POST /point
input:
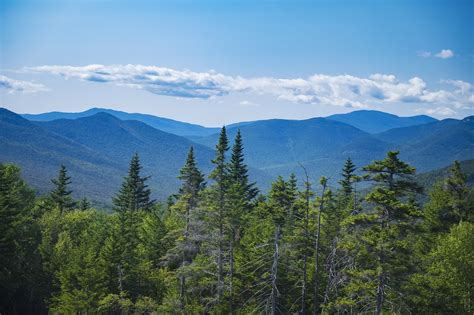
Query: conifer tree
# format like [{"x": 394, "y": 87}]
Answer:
[
  {"x": 241, "y": 193},
  {"x": 84, "y": 204},
  {"x": 19, "y": 268},
  {"x": 238, "y": 171},
  {"x": 456, "y": 186},
  {"x": 383, "y": 265},
  {"x": 220, "y": 176},
  {"x": 61, "y": 195},
  {"x": 448, "y": 202},
  {"x": 317, "y": 281},
  {"x": 192, "y": 184},
  {"x": 134, "y": 194},
  {"x": 133, "y": 197},
  {"x": 347, "y": 177}
]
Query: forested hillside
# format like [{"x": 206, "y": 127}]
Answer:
[
  {"x": 165, "y": 124},
  {"x": 311, "y": 245},
  {"x": 373, "y": 121},
  {"x": 95, "y": 146}
]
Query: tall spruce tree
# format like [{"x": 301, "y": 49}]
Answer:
[
  {"x": 134, "y": 194},
  {"x": 347, "y": 177},
  {"x": 192, "y": 184},
  {"x": 383, "y": 266},
  {"x": 220, "y": 175},
  {"x": 241, "y": 193},
  {"x": 61, "y": 195},
  {"x": 133, "y": 197}
]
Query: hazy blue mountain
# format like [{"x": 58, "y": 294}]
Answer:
[
  {"x": 40, "y": 153},
  {"x": 321, "y": 145},
  {"x": 373, "y": 121},
  {"x": 164, "y": 124},
  {"x": 96, "y": 150},
  {"x": 98, "y": 147},
  {"x": 429, "y": 178},
  {"x": 278, "y": 146},
  {"x": 434, "y": 145}
]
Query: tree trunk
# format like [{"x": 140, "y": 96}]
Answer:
[
  {"x": 316, "y": 254},
  {"x": 231, "y": 276},
  {"x": 380, "y": 294},
  {"x": 305, "y": 255},
  {"x": 220, "y": 260},
  {"x": 274, "y": 272}
]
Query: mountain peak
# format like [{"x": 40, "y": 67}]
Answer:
[{"x": 374, "y": 121}]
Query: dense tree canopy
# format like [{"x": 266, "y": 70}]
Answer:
[{"x": 225, "y": 248}]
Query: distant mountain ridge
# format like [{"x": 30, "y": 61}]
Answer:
[
  {"x": 370, "y": 121},
  {"x": 165, "y": 124},
  {"x": 373, "y": 121},
  {"x": 97, "y": 148}
]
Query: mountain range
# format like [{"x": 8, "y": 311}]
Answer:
[
  {"x": 96, "y": 146},
  {"x": 165, "y": 124}
]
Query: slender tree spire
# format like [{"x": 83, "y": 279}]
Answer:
[
  {"x": 220, "y": 175},
  {"x": 61, "y": 195},
  {"x": 238, "y": 170},
  {"x": 192, "y": 184},
  {"x": 134, "y": 193},
  {"x": 347, "y": 177}
]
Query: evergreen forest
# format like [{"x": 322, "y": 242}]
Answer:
[{"x": 365, "y": 244}]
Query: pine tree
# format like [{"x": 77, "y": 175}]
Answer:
[
  {"x": 134, "y": 194},
  {"x": 347, "y": 177},
  {"x": 84, "y": 204},
  {"x": 192, "y": 184},
  {"x": 220, "y": 176},
  {"x": 241, "y": 193},
  {"x": 20, "y": 266},
  {"x": 238, "y": 170},
  {"x": 317, "y": 281},
  {"x": 61, "y": 195},
  {"x": 133, "y": 198},
  {"x": 383, "y": 259}
]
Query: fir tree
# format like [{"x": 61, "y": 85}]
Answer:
[
  {"x": 383, "y": 233},
  {"x": 347, "y": 177},
  {"x": 220, "y": 176},
  {"x": 134, "y": 194},
  {"x": 61, "y": 195},
  {"x": 192, "y": 184},
  {"x": 238, "y": 170},
  {"x": 241, "y": 193},
  {"x": 133, "y": 197},
  {"x": 84, "y": 204}
]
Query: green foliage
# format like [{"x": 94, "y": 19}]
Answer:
[
  {"x": 61, "y": 195},
  {"x": 134, "y": 194},
  {"x": 223, "y": 249},
  {"x": 20, "y": 289}
]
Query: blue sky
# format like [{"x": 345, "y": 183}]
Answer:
[{"x": 216, "y": 62}]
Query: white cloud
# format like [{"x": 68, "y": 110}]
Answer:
[
  {"x": 445, "y": 54},
  {"x": 12, "y": 85},
  {"x": 338, "y": 90}
]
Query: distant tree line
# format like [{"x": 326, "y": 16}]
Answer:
[{"x": 222, "y": 247}]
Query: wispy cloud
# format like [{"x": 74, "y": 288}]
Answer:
[
  {"x": 12, "y": 85},
  {"x": 445, "y": 54},
  {"x": 339, "y": 90}
]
